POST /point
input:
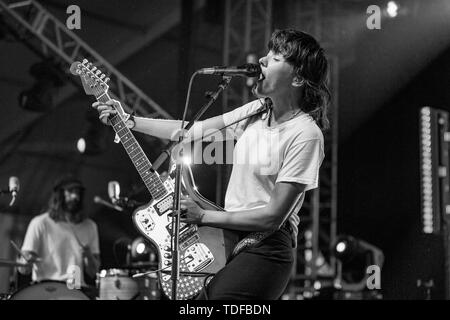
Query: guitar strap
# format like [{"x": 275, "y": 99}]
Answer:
[{"x": 266, "y": 107}]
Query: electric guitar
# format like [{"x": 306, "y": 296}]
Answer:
[{"x": 203, "y": 250}]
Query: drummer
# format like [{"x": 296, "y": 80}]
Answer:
[{"x": 62, "y": 244}]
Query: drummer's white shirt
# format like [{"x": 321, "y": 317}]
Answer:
[
  {"x": 57, "y": 245},
  {"x": 264, "y": 155}
]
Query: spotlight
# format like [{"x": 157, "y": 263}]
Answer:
[
  {"x": 346, "y": 248},
  {"x": 140, "y": 248},
  {"x": 392, "y": 9},
  {"x": 187, "y": 160},
  {"x": 142, "y": 252},
  {"x": 81, "y": 145},
  {"x": 341, "y": 246},
  {"x": 39, "y": 97},
  {"x": 355, "y": 256},
  {"x": 93, "y": 140},
  {"x": 91, "y": 143}
]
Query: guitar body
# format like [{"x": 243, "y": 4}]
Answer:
[{"x": 202, "y": 249}]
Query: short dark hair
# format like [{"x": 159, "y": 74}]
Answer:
[{"x": 310, "y": 65}]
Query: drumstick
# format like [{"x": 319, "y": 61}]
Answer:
[{"x": 20, "y": 252}]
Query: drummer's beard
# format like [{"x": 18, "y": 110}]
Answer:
[{"x": 72, "y": 206}]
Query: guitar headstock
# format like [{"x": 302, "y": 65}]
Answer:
[{"x": 93, "y": 80}]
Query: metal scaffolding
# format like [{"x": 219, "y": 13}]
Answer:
[
  {"x": 317, "y": 267},
  {"x": 54, "y": 38}
]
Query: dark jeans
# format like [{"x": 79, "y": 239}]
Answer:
[{"x": 261, "y": 272}]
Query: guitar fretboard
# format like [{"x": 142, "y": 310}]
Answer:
[{"x": 144, "y": 167}]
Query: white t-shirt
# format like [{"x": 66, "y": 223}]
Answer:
[
  {"x": 57, "y": 245},
  {"x": 288, "y": 152}
]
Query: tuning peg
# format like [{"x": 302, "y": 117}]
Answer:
[
  {"x": 102, "y": 76},
  {"x": 106, "y": 80},
  {"x": 97, "y": 72},
  {"x": 84, "y": 61}
]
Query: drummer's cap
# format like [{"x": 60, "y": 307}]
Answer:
[{"x": 68, "y": 182}]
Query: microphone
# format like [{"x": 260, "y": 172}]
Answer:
[
  {"x": 246, "y": 70},
  {"x": 14, "y": 186},
  {"x": 113, "y": 191},
  {"x": 99, "y": 200}
]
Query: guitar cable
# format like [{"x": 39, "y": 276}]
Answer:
[{"x": 185, "y": 273}]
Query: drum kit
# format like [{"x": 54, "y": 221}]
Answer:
[{"x": 129, "y": 283}]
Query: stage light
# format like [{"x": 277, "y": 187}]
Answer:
[
  {"x": 81, "y": 145},
  {"x": 317, "y": 285},
  {"x": 427, "y": 174},
  {"x": 187, "y": 160},
  {"x": 141, "y": 252},
  {"x": 354, "y": 257},
  {"x": 140, "y": 248},
  {"x": 340, "y": 247},
  {"x": 392, "y": 9},
  {"x": 93, "y": 140},
  {"x": 345, "y": 248},
  {"x": 39, "y": 97}
]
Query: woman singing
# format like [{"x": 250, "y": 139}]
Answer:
[{"x": 276, "y": 159}]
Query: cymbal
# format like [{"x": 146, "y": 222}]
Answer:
[{"x": 11, "y": 263}]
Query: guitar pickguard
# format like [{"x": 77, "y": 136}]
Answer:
[{"x": 154, "y": 221}]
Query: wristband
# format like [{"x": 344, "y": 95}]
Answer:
[{"x": 130, "y": 122}]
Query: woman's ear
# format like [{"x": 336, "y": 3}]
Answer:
[{"x": 296, "y": 82}]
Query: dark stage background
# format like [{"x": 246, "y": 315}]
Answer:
[{"x": 380, "y": 185}]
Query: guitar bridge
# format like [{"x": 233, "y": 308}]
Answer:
[
  {"x": 145, "y": 220},
  {"x": 198, "y": 256}
]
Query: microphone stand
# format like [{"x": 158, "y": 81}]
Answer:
[
  {"x": 177, "y": 192},
  {"x": 213, "y": 97}
]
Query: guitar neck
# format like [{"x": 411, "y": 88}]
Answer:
[{"x": 149, "y": 176}]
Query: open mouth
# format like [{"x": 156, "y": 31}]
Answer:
[{"x": 261, "y": 77}]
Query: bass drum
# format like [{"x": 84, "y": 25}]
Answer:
[
  {"x": 48, "y": 290},
  {"x": 119, "y": 284}
]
